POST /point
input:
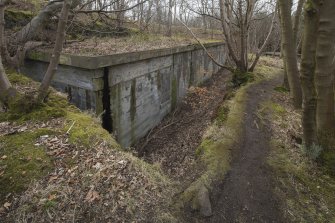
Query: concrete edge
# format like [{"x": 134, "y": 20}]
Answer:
[{"x": 96, "y": 62}]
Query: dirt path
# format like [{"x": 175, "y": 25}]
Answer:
[
  {"x": 246, "y": 195},
  {"x": 172, "y": 144}
]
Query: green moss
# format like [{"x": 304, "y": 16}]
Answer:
[
  {"x": 24, "y": 161},
  {"x": 204, "y": 145},
  {"x": 19, "y": 79},
  {"x": 133, "y": 108},
  {"x": 274, "y": 107},
  {"x": 327, "y": 159},
  {"x": 50, "y": 204},
  {"x": 16, "y": 17},
  {"x": 36, "y": 55},
  {"x": 281, "y": 89},
  {"x": 86, "y": 131},
  {"x": 309, "y": 6},
  {"x": 24, "y": 108},
  {"x": 222, "y": 115},
  {"x": 214, "y": 151},
  {"x": 242, "y": 78},
  {"x": 174, "y": 93}
]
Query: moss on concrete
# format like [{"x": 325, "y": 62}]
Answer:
[
  {"x": 133, "y": 108},
  {"x": 174, "y": 93},
  {"x": 14, "y": 17}
]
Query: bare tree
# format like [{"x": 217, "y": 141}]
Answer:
[
  {"x": 52, "y": 68},
  {"x": 324, "y": 71},
  {"x": 290, "y": 55},
  {"x": 307, "y": 72},
  {"x": 169, "y": 21}
]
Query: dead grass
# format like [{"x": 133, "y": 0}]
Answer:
[
  {"x": 96, "y": 46},
  {"x": 306, "y": 190}
]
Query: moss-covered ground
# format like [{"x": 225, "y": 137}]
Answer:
[
  {"x": 40, "y": 146},
  {"x": 22, "y": 160}
]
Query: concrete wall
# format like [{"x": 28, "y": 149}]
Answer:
[{"x": 137, "y": 89}]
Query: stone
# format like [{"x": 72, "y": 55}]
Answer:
[{"x": 204, "y": 202}]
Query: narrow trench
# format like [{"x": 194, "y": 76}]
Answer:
[
  {"x": 107, "y": 121},
  {"x": 174, "y": 141}
]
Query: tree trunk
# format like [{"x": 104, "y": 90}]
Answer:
[
  {"x": 324, "y": 78},
  {"x": 282, "y": 49},
  {"x": 290, "y": 55},
  {"x": 6, "y": 89},
  {"x": 169, "y": 22},
  {"x": 307, "y": 70},
  {"x": 297, "y": 20},
  {"x": 52, "y": 68}
]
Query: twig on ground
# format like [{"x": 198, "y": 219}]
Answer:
[{"x": 68, "y": 131}]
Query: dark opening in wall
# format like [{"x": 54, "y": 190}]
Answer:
[{"x": 107, "y": 121}]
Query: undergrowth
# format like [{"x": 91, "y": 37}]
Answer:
[{"x": 305, "y": 188}]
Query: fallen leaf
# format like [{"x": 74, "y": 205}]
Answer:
[
  {"x": 52, "y": 178},
  {"x": 7, "y": 205},
  {"x": 92, "y": 195},
  {"x": 52, "y": 197}
]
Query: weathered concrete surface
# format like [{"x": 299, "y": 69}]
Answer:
[
  {"x": 143, "y": 86},
  {"x": 83, "y": 86}
]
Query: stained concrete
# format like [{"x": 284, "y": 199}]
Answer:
[{"x": 143, "y": 86}]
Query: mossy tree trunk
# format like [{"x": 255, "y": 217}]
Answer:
[
  {"x": 324, "y": 78},
  {"x": 39, "y": 22},
  {"x": 290, "y": 55},
  {"x": 307, "y": 70},
  {"x": 52, "y": 68}
]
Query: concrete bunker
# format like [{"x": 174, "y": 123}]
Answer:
[{"x": 132, "y": 91}]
